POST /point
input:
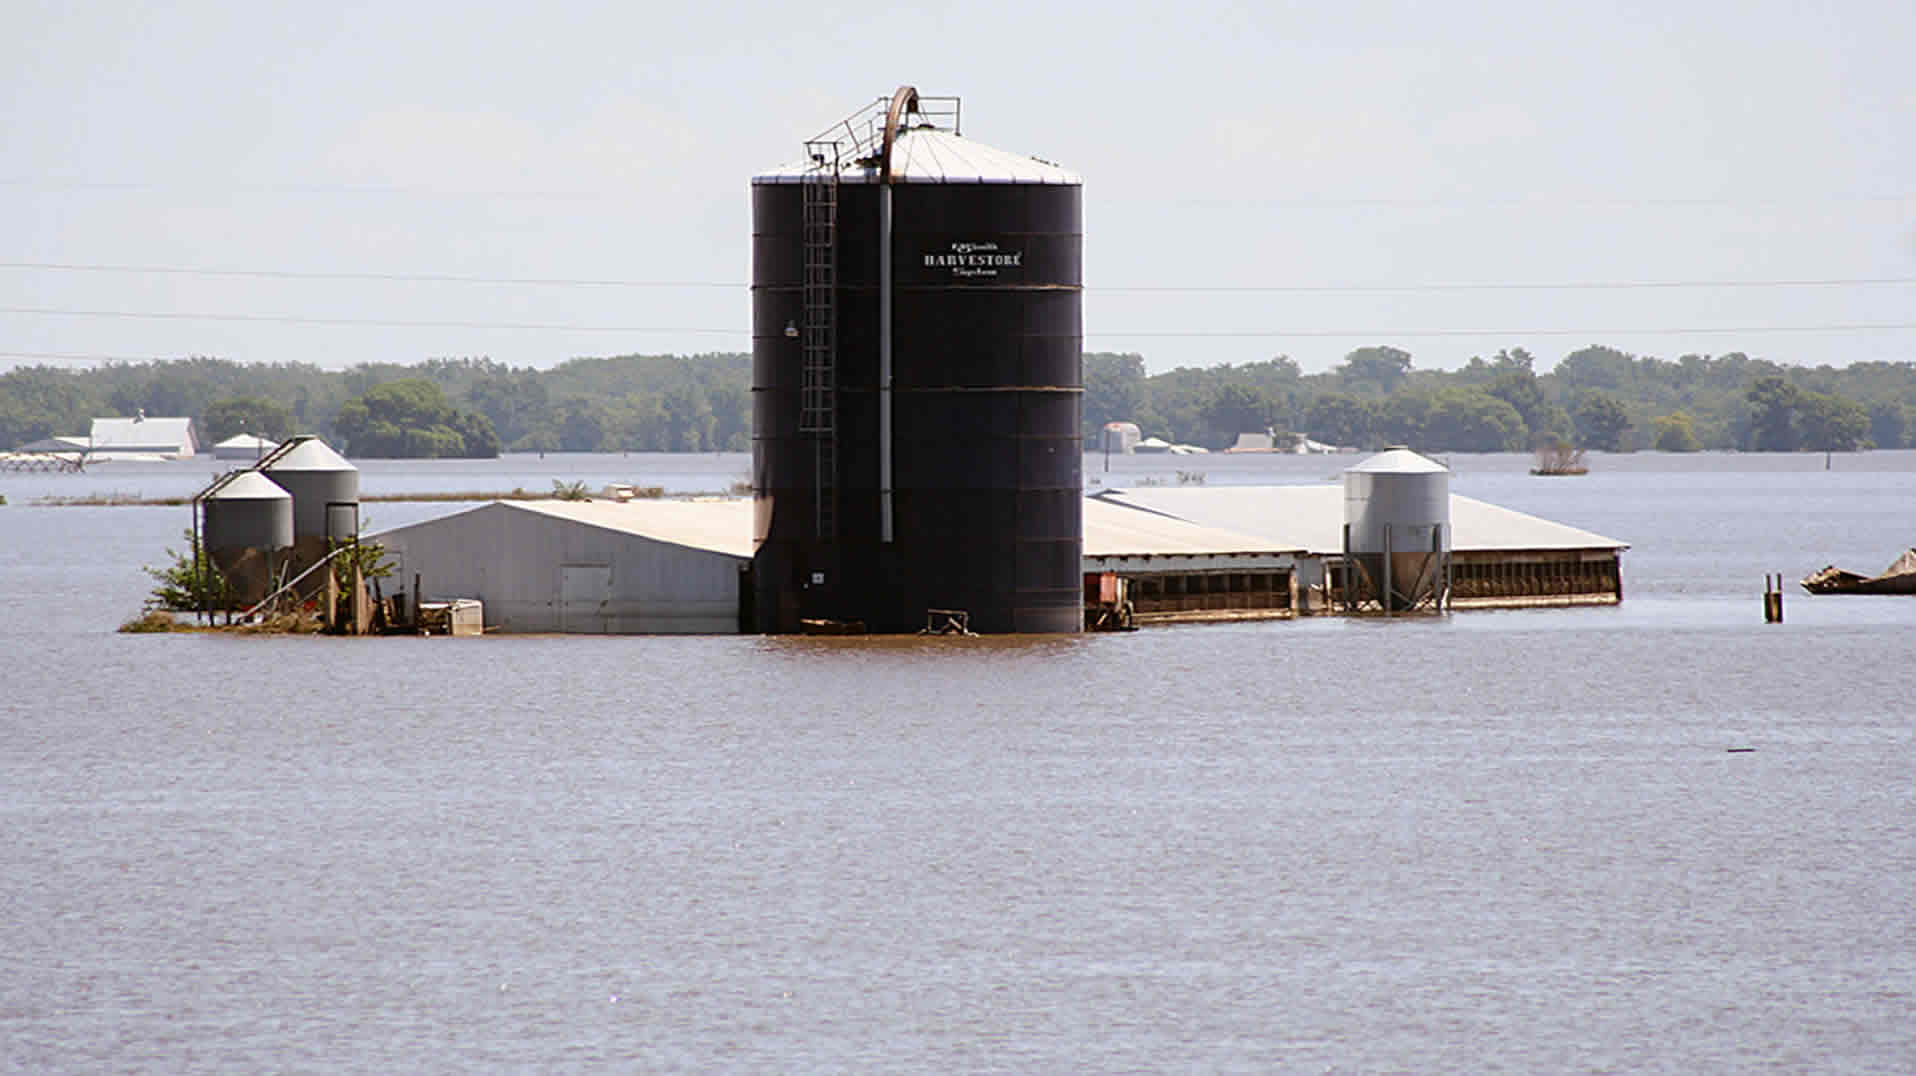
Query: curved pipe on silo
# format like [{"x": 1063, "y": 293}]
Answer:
[
  {"x": 903, "y": 102},
  {"x": 884, "y": 360}
]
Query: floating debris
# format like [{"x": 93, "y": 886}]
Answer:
[{"x": 1898, "y": 578}]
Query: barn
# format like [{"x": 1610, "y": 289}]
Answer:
[{"x": 590, "y": 567}]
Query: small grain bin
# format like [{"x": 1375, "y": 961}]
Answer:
[
  {"x": 1397, "y": 532},
  {"x": 247, "y": 531},
  {"x": 321, "y": 482},
  {"x": 325, "y": 491}
]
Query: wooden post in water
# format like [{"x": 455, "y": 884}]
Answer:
[{"x": 1773, "y": 599}]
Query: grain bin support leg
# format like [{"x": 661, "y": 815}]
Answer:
[
  {"x": 1390, "y": 603},
  {"x": 1346, "y": 569}
]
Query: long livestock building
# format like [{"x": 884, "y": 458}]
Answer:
[
  {"x": 659, "y": 566},
  {"x": 1497, "y": 557}
]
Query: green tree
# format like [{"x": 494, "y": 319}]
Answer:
[
  {"x": 245, "y": 414},
  {"x": 1597, "y": 368},
  {"x": 190, "y": 583},
  {"x": 1383, "y": 370},
  {"x": 513, "y": 400},
  {"x": 1515, "y": 383},
  {"x": 1601, "y": 421},
  {"x": 688, "y": 419},
  {"x": 1831, "y": 423},
  {"x": 1402, "y": 417},
  {"x": 581, "y": 425},
  {"x": 1773, "y": 415},
  {"x": 1113, "y": 389},
  {"x": 1470, "y": 420},
  {"x": 411, "y": 419},
  {"x": 731, "y": 417},
  {"x": 1676, "y": 433},
  {"x": 1337, "y": 419},
  {"x": 1233, "y": 409},
  {"x": 1889, "y": 424},
  {"x": 39, "y": 401}
]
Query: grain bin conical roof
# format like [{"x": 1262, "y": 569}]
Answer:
[
  {"x": 1399, "y": 460},
  {"x": 317, "y": 477},
  {"x": 250, "y": 486},
  {"x": 311, "y": 455}
]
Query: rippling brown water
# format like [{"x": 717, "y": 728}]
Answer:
[{"x": 1498, "y": 840}]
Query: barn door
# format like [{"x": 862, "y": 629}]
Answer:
[{"x": 584, "y": 589}]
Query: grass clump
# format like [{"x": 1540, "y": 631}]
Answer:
[{"x": 153, "y": 620}]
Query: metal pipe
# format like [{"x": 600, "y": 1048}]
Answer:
[
  {"x": 884, "y": 364},
  {"x": 199, "y": 580},
  {"x": 903, "y": 103}
]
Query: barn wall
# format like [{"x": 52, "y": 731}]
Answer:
[{"x": 540, "y": 573}]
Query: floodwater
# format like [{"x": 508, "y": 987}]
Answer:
[{"x": 1664, "y": 836}]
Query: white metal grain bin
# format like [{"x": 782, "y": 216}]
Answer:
[{"x": 1397, "y": 512}]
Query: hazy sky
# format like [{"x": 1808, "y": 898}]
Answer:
[{"x": 1346, "y": 158}]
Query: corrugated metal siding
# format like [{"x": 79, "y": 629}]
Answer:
[{"x": 516, "y": 561}]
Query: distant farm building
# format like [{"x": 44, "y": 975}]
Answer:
[
  {"x": 244, "y": 446},
  {"x": 172, "y": 438},
  {"x": 1119, "y": 438}
]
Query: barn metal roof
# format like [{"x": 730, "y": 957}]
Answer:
[
  {"x": 1214, "y": 521},
  {"x": 1312, "y": 518},
  {"x": 143, "y": 434},
  {"x": 936, "y": 155},
  {"x": 1116, "y": 530},
  {"x": 725, "y": 526},
  {"x": 717, "y": 526}
]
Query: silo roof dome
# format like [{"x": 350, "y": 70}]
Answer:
[
  {"x": 250, "y": 486},
  {"x": 311, "y": 455},
  {"x": 927, "y": 154},
  {"x": 1399, "y": 460}
]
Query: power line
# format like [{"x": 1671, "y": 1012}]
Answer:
[
  {"x": 1689, "y": 330},
  {"x": 386, "y": 323},
  {"x": 591, "y": 282},
  {"x": 434, "y": 278},
  {"x": 200, "y": 187},
  {"x": 554, "y": 326},
  {"x": 1596, "y": 285}
]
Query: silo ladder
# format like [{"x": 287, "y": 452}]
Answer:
[{"x": 818, "y": 404}]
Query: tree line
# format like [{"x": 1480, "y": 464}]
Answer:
[
  {"x": 1596, "y": 397},
  {"x": 470, "y": 407}
]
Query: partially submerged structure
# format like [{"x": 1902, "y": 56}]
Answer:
[
  {"x": 588, "y": 567},
  {"x": 266, "y": 528},
  {"x": 1898, "y": 578},
  {"x": 244, "y": 446},
  {"x": 1180, "y": 554},
  {"x": 1497, "y": 557},
  {"x": 1175, "y": 569},
  {"x": 170, "y": 438},
  {"x": 917, "y": 354}
]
